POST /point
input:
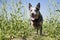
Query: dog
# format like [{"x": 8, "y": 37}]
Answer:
[{"x": 36, "y": 17}]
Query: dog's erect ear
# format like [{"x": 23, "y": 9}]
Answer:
[
  {"x": 38, "y": 6},
  {"x": 30, "y": 6}
]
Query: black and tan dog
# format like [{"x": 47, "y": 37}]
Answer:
[{"x": 36, "y": 17}]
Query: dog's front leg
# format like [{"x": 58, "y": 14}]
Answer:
[{"x": 40, "y": 30}]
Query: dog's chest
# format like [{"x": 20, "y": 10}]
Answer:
[{"x": 34, "y": 22}]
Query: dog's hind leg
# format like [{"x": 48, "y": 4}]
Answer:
[
  {"x": 40, "y": 30},
  {"x": 37, "y": 30}
]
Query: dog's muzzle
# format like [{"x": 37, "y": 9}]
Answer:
[{"x": 33, "y": 15}]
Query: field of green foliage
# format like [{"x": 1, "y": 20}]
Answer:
[{"x": 13, "y": 26}]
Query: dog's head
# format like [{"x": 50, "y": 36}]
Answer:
[{"x": 34, "y": 11}]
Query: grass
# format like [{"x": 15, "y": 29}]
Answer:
[{"x": 13, "y": 28}]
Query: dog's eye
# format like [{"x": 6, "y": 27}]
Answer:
[{"x": 31, "y": 10}]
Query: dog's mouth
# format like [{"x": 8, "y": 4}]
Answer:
[{"x": 33, "y": 17}]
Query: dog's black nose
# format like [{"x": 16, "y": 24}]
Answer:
[{"x": 32, "y": 13}]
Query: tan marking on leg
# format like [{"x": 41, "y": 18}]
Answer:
[{"x": 32, "y": 24}]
